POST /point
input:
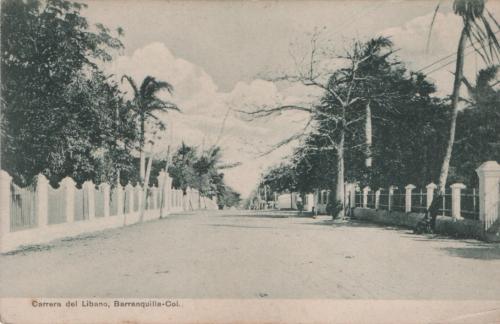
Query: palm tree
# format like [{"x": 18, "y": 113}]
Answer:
[
  {"x": 145, "y": 104},
  {"x": 483, "y": 91},
  {"x": 477, "y": 30}
]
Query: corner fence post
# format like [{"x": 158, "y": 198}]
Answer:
[{"x": 489, "y": 179}]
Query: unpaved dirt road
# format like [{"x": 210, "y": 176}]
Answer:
[{"x": 250, "y": 254}]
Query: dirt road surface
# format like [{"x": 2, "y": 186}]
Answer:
[{"x": 251, "y": 254}]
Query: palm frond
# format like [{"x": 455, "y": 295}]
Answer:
[
  {"x": 430, "y": 28},
  {"x": 145, "y": 84},
  {"x": 158, "y": 104},
  {"x": 132, "y": 83},
  {"x": 150, "y": 86},
  {"x": 469, "y": 10}
]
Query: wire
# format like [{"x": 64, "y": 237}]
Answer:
[{"x": 448, "y": 56}]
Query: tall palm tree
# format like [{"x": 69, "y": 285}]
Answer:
[
  {"x": 145, "y": 104},
  {"x": 476, "y": 29}
]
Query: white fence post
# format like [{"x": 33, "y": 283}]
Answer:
[
  {"x": 42, "y": 200},
  {"x": 69, "y": 193},
  {"x": 129, "y": 191},
  {"x": 455, "y": 199},
  {"x": 489, "y": 182},
  {"x": 104, "y": 188},
  {"x": 5, "y": 196},
  {"x": 119, "y": 200},
  {"x": 409, "y": 188},
  {"x": 365, "y": 196},
  {"x": 89, "y": 188},
  {"x": 350, "y": 192},
  {"x": 137, "y": 190},
  {"x": 390, "y": 198},
  {"x": 377, "y": 198},
  {"x": 430, "y": 193}
]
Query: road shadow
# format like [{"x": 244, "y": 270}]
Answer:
[
  {"x": 479, "y": 251},
  {"x": 239, "y": 226},
  {"x": 357, "y": 223},
  {"x": 268, "y": 215}
]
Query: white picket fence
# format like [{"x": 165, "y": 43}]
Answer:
[{"x": 39, "y": 214}]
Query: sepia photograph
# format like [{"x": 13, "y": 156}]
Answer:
[{"x": 267, "y": 161}]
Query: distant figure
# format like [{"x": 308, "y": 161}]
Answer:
[
  {"x": 428, "y": 223},
  {"x": 300, "y": 206}
]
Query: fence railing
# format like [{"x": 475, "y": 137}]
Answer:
[{"x": 458, "y": 201}]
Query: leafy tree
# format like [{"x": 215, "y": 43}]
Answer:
[
  {"x": 228, "y": 197},
  {"x": 281, "y": 178},
  {"x": 56, "y": 103},
  {"x": 407, "y": 129},
  {"x": 182, "y": 167}
]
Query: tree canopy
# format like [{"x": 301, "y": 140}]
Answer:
[{"x": 58, "y": 107}]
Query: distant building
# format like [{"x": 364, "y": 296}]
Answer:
[{"x": 287, "y": 201}]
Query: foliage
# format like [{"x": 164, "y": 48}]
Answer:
[
  {"x": 478, "y": 133},
  {"x": 408, "y": 127},
  {"x": 281, "y": 178},
  {"x": 201, "y": 171},
  {"x": 58, "y": 107}
]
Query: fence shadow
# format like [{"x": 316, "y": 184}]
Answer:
[
  {"x": 357, "y": 223},
  {"x": 269, "y": 214},
  {"x": 238, "y": 226},
  {"x": 479, "y": 251}
]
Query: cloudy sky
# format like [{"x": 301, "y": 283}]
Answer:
[{"x": 217, "y": 54}]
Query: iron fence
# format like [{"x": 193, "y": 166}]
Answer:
[
  {"x": 358, "y": 199},
  {"x": 398, "y": 201},
  {"x": 444, "y": 203},
  {"x": 418, "y": 201},
  {"x": 469, "y": 203}
]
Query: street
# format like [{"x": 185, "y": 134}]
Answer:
[{"x": 255, "y": 254}]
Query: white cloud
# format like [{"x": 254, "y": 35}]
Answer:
[
  {"x": 411, "y": 39},
  {"x": 204, "y": 109}
]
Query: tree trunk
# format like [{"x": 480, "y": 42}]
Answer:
[
  {"x": 368, "y": 136},
  {"x": 145, "y": 188},
  {"x": 141, "y": 151},
  {"x": 454, "y": 103},
  {"x": 340, "y": 176}
]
